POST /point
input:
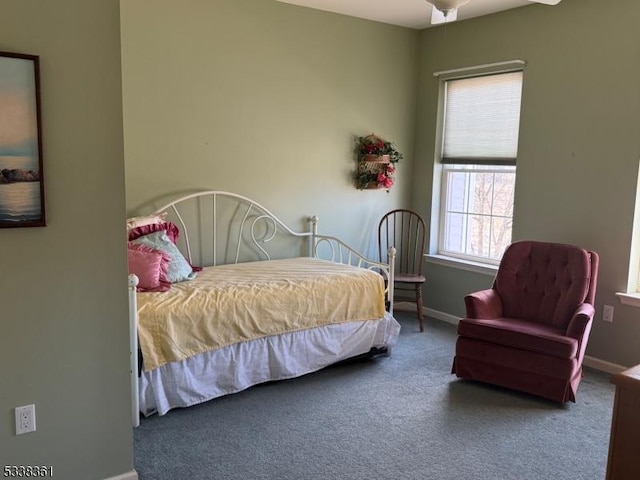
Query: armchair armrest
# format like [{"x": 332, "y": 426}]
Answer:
[
  {"x": 580, "y": 326},
  {"x": 484, "y": 304},
  {"x": 580, "y": 321}
]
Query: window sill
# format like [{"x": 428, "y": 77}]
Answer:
[
  {"x": 460, "y": 264},
  {"x": 632, "y": 299}
]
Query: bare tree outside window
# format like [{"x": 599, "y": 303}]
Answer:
[{"x": 479, "y": 210}]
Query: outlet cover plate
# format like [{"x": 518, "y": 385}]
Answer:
[
  {"x": 25, "y": 419},
  {"x": 607, "y": 313}
]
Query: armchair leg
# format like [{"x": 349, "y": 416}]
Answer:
[{"x": 419, "y": 306}]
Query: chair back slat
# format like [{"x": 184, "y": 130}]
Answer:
[{"x": 406, "y": 231}]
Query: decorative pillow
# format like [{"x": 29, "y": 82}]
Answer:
[
  {"x": 170, "y": 228},
  {"x": 134, "y": 222},
  {"x": 172, "y": 232},
  {"x": 150, "y": 266},
  {"x": 179, "y": 268}
]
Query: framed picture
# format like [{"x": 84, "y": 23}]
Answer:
[{"x": 21, "y": 176}]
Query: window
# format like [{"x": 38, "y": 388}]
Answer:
[
  {"x": 632, "y": 295},
  {"x": 481, "y": 118}
]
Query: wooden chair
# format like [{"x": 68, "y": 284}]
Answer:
[{"x": 406, "y": 231}]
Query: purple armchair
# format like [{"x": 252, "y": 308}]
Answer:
[{"x": 529, "y": 332}]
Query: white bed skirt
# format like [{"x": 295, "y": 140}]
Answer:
[{"x": 240, "y": 366}]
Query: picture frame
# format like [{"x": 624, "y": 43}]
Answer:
[{"x": 21, "y": 166}]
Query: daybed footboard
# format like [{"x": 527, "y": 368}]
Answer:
[
  {"x": 332, "y": 248},
  {"x": 133, "y": 349}
]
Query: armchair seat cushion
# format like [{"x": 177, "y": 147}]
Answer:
[
  {"x": 486, "y": 361},
  {"x": 520, "y": 334}
]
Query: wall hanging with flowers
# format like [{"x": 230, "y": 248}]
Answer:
[{"x": 376, "y": 162}]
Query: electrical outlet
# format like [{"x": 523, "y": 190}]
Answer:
[
  {"x": 607, "y": 313},
  {"x": 25, "y": 419}
]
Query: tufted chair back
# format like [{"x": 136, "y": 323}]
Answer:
[{"x": 545, "y": 282}]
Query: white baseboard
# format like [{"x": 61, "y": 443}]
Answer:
[
  {"x": 429, "y": 312},
  {"x": 132, "y": 475},
  {"x": 589, "y": 361},
  {"x": 438, "y": 315},
  {"x": 602, "y": 365}
]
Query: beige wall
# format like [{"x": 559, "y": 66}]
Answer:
[
  {"x": 63, "y": 326},
  {"x": 579, "y": 142},
  {"x": 263, "y": 99}
]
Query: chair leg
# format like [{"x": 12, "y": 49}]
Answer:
[{"x": 419, "y": 306}]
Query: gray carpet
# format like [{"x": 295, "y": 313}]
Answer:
[{"x": 403, "y": 417}]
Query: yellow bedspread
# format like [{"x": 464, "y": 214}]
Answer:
[{"x": 233, "y": 303}]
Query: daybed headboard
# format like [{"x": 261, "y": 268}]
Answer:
[{"x": 218, "y": 227}]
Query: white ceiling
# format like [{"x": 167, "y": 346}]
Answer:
[{"x": 406, "y": 13}]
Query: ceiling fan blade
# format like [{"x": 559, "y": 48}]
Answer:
[
  {"x": 547, "y": 2},
  {"x": 437, "y": 17},
  {"x": 445, "y": 11}
]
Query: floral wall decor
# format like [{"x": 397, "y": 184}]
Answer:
[{"x": 376, "y": 162}]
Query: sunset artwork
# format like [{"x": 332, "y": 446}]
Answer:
[{"x": 21, "y": 181}]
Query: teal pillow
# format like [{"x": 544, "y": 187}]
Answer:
[{"x": 179, "y": 269}]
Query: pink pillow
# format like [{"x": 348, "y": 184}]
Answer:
[
  {"x": 172, "y": 232},
  {"x": 169, "y": 227},
  {"x": 150, "y": 266}
]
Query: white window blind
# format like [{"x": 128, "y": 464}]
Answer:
[{"x": 482, "y": 118}]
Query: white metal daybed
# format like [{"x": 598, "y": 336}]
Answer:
[{"x": 272, "y": 304}]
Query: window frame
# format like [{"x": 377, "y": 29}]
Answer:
[
  {"x": 631, "y": 296},
  {"x": 442, "y": 167},
  {"x": 444, "y": 190}
]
